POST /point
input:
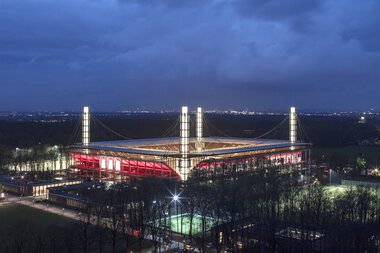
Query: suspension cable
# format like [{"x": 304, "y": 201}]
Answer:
[
  {"x": 169, "y": 131},
  {"x": 303, "y": 130},
  {"x": 109, "y": 129},
  {"x": 208, "y": 123},
  {"x": 273, "y": 129},
  {"x": 74, "y": 134}
]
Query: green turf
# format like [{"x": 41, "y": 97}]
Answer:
[
  {"x": 181, "y": 224},
  {"x": 335, "y": 189},
  {"x": 16, "y": 213}
]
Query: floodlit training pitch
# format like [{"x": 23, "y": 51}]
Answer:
[
  {"x": 181, "y": 224},
  {"x": 334, "y": 190}
]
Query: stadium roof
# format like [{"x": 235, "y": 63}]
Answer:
[{"x": 170, "y": 146}]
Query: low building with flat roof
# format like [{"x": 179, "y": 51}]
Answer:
[
  {"x": 19, "y": 186},
  {"x": 74, "y": 196}
]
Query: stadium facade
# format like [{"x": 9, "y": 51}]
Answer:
[{"x": 184, "y": 156}]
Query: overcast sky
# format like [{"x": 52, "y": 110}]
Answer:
[{"x": 160, "y": 54}]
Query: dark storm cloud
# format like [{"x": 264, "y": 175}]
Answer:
[
  {"x": 161, "y": 54},
  {"x": 277, "y": 10},
  {"x": 361, "y": 23},
  {"x": 368, "y": 35},
  {"x": 166, "y": 3},
  {"x": 298, "y": 14}
]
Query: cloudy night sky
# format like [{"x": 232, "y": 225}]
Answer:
[{"x": 160, "y": 54}]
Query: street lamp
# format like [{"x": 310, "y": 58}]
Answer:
[
  {"x": 330, "y": 176},
  {"x": 175, "y": 200}
]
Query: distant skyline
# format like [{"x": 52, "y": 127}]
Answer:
[
  {"x": 191, "y": 109},
  {"x": 60, "y": 55}
]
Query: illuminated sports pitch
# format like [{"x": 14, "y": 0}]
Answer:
[{"x": 181, "y": 224}]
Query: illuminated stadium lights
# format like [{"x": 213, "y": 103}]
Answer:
[
  {"x": 199, "y": 130},
  {"x": 293, "y": 125},
  {"x": 184, "y": 162},
  {"x": 85, "y": 126},
  {"x": 199, "y": 123},
  {"x": 183, "y": 156}
]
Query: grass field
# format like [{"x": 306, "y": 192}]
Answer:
[
  {"x": 181, "y": 224},
  {"x": 334, "y": 190},
  {"x": 16, "y": 213}
]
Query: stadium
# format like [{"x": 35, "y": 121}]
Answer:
[{"x": 184, "y": 156}]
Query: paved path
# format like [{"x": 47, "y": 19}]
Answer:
[{"x": 31, "y": 201}]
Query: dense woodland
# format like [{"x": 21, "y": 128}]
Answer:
[
  {"x": 348, "y": 221},
  {"x": 270, "y": 203}
]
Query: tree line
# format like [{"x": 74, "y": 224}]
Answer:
[{"x": 259, "y": 212}]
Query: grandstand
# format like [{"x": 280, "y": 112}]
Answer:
[{"x": 184, "y": 156}]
